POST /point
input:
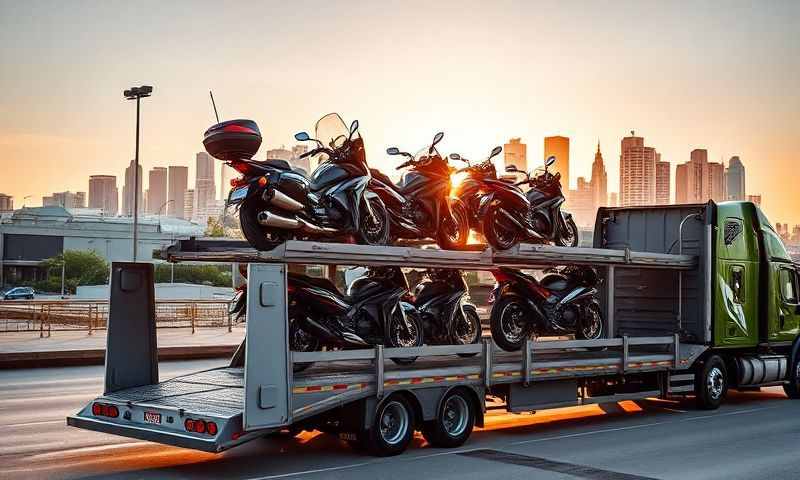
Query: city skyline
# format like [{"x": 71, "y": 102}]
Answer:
[{"x": 715, "y": 86}]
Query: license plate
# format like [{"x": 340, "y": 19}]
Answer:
[
  {"x": 238, "y": 195},
  {"x": 152, "y": 417}
]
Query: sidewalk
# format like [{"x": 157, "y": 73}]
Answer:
[{"x": 26, "y": 349}]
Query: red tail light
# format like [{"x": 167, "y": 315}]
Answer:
[
  {"x": 105, "y": 410},
  {"x": 211, "y": 428},
  {"x": 199, "y": 426},
  {"x": 241, "y": 167},
  {"x": 238, "y": 129},
  {"x": 189, "y": 425},
  {"x": 238, "y": 182}
]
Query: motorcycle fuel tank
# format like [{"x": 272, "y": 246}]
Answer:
[{"x": 327, "y": 174}]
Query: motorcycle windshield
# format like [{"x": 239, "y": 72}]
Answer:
[{"x": 334, "y": 134}]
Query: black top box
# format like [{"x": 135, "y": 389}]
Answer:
[{"x": 233, "y": 139}]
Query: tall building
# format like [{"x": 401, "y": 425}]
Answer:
[
  {"x": 558, "y": 146},
  {"x": 599, "y": 183},
  {"x": 65, "y": 199},
  {"x": 128, "y": 189},
  {"x": 226, "y": 173},
  {"x": 516, "y": 153},
  {"x": 188, "y": 204},
  {"x": 637, "y": 172},
  {"x": 662, "y": 181},
  {"x": 178, "y": 182},
  {"x": 734, "y": 179},
  {"x": 279, "y": 154},
  {"x": 204, "y": 187},
  {"x": 157, "y": 190},
  {"x": 301, "y": 163},
  {"x": 613, "y": 199},
  {"x": 698, "y": 180},
  {"x": 582, "y": 204},
  {"x": 6, "y": 203},
  {"x": 103, "y": 194}
]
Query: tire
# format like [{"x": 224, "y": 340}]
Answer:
[
  {"x": 260, "y": 237},
  {"x": 792, "y": 388},
  {"x": 454, "y": 421},
  {"x": 571, "y": 237},
  {"x": 590, "y": 326},
  {"x": 301, "y": 341},
  {"x": 511, "y": 333},
  {"x": 391, "y": 429},
  {"x": 395, "y": 335},
  {"x": 454, "y": 231},
  {"x": 498, "y": 235},
  {"x": 711, "y": 383},
  {"x": 466, "y": 331},
  {"x": 373, "y": 231}
]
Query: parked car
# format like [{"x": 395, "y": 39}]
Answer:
[{"x": 19, "y": 292}]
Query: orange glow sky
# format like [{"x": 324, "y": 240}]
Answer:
[{"x": 723, "y": 76}]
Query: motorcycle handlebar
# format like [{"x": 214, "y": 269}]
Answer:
[{"x": 316, "y": 151}]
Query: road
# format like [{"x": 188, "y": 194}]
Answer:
[{"x": 753, "y": 436}]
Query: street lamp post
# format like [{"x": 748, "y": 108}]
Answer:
[{"x": 136, "y": 93}]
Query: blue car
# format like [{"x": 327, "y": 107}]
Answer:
[{"x": 19, "y": 292}]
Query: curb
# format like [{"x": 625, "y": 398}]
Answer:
[{"x": 73, "y": 358}]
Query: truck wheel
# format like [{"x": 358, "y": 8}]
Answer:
[
  {"x": 792, "y": 388},
  {"x": 453, "y": 423},
  {"x": 711, "y": 383},
  {"x": 392, "y": 428}
]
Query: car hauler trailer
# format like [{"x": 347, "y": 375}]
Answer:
[{"x": 663, "y": 313}]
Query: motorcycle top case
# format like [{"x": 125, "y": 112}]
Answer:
[{"x": 233, "y": 139}]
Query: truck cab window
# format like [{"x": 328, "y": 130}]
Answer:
[{"x": 788, "y": 283}]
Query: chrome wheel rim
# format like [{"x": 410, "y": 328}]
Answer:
[
  {"x": 465, "y": 329},
  {"x": 715, "y": 383},
  {"x": 455, "y": 415},
  {"x": 394, "y": 422},
  {"x": 398, "y": 334},
  {"x": 512, "y": 322},
  {"x": 594, "y": 327},
  {"x": 373, "y": 225}
]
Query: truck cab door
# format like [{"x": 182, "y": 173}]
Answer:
[{"x": 785, "y": 318}]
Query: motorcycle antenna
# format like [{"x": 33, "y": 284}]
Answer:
[{"x": 213, "y": 104}]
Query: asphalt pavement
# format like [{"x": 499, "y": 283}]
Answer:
[{"x": 753, "y": 436}]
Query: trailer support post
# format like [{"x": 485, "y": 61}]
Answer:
[
  {"x": 610, "y": 333},
  {"x": 527, "y": 362},
  {"x": 625, "y": 352},
  {"x": 676, "y": 348},
  {"x": 379, "y": 373},
  {"x": 487, "y": 363}
]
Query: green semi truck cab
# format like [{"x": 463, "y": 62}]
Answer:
[{"x": 742, "y": 302}]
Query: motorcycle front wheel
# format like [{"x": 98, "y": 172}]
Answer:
[
  {"x": 569, "y": 237},
  {"x": 466, "y": 328},
  {"x": 590, "y": 325},
  {"x": 454, "y": 228},
  {"x": 510, "y": 323},
  {"x": 260, "y": 237},
  {"x": 398, "y": 336},
  {"x": 373, "y": 229},
  {"x": 499, "y": 233}
]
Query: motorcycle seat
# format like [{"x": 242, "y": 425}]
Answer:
[
  {"x": 275, "y": 163},
  {"x": 383, "y": 178},
  {"x": 556, "y": 283}
]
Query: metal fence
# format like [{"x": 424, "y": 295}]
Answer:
[{"x": 46, "y": 316}]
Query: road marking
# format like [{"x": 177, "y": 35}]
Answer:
[
  {"x": 318, "y": 470},
  {"x": 29, "y": 424},
  {"x": 575, "y": 470}
]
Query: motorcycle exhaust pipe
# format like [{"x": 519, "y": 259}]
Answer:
[
  {"x": 316, "y": 229},
  {"x": 269, "y": 219},
  {"x": 275, "y": 197},
  {"x": 347, "y": 338}
]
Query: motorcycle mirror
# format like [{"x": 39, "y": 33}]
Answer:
[
  {"x": 511, "y": 168},
  {"x": 353, "y": 127},
  {"x": 455, "y": 156},
  {"x": 496, "y": 151},
  {"x": 437, "y": 138},
  {"x": 302, "y": 137},
  {"x": 550, "y": 160},
  {"x": 393, "y": 151}
]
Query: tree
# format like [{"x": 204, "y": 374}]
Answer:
[
  {"x": 215, "y": 228},
  {"x": 217, "y": 275},
  {"x": 80, "y": 267}
]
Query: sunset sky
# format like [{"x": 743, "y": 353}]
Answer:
[{"x": 724, "y": 76}]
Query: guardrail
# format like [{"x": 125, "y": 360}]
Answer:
[{"x": 46, "y": 316}]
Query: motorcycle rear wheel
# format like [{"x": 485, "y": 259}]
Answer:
[
  {"x": 454, "y": 230},
  {"x": 260, "y": 237},
  {"x": 499, "y": 234}
]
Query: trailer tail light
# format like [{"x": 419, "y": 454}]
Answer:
[
  {"x": 105, "y": 410},
  {"x": 262, "y": 181},
  {"x": 200, "y": 426}
]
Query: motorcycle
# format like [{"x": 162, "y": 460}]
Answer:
[
  {"x": 496, "y": 208},
  {"x": 277, "y": 203},
  {"x": 420, "y": 206},
  {"x": 562, "y": 302},
  {"x": 448, "y": 315},
  {"x": 374, "y": 312},
  {"x": 546, "y": 198}
]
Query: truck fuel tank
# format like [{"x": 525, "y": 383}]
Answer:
[{"x": 761, "y": 369}]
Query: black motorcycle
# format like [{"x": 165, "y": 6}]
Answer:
[
  {"x": 563, "y": 302},
  {"x": 277, "y": 203},
  {"x": 448, "y": 314},
  {"x": 374, "y": 312},
  {"x": 546, "y": 198},
  {"x": 420, "y": 206}
]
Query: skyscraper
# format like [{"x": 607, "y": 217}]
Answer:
[
  {"x": 188, "y": 204},
  {"x": 65, "y": 199},
  {"x": 128, "y": 189},
  {"x": 637, "y": 172},
  {"x": 582, "y": 204},
  {"x": 103, "y": 194},
  {"x": 698, "y": 180},
  {"x": 599, "y": 182},
  {"x": 613, "y": 199},
  {"x": 178, "y": 182},
  {"x": 735, "y": 179},
  {"x": 662, "y": 181},
  {"x": 6, "y": 203},
  {"x": 516, "y": 153},
  {"x": 157, "y": 190},
  {"x": 302, "y": 163},
  {"x": 204, "y": 188},
  {"x": 279, "y": 154},
  {"x": 558, "y": 146}
]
